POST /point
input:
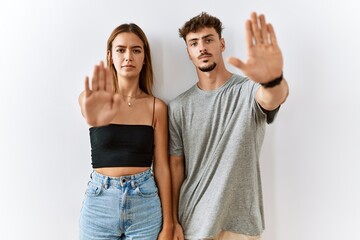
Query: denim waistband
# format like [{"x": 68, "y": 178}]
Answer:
[{"x": 123, "y": 180}]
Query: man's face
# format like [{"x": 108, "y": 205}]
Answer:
[{"x": 205, "y": 48}]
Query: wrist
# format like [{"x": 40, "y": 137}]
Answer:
[
  {"x": 176, "y": 224},
  {"x": 274, "y": 82},
  {"x": 168, "y": 225}
]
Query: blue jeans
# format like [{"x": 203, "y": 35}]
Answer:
[{"x": 126, "y": 207}]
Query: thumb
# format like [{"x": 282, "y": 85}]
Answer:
[
  {"x": 236, "y": 62},
  {"x": 116, "y": 101}
]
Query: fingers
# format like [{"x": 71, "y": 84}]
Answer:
[
  {"x": 94, "y": 79},
  {"x": 236, "y": 62},
  {"x": 272, "y": 34},
  {"x": 87, "y": 88},
  {"x": 109, "y": 80},
  {"x": 259, "y": 31},
  {"x": 101, "y": 77},
  {"x": 257, "y": 34},
  {"x": 264, "y": 30},
  {"x": 249, "y": 33}
]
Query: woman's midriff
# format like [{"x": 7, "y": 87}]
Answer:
[{"x": 120, "y": 171}]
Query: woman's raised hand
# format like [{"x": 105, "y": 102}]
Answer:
[{"x": 100, "y": 104}]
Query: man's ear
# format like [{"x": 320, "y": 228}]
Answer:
[{"x": 222, "y": 41}]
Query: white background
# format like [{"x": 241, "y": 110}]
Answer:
[{"x": 310, "y": 158}]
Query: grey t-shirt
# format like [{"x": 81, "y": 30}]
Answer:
[{"x": 219, "y": 133}]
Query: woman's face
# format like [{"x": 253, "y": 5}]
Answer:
[{"x": 127, "y": 55}]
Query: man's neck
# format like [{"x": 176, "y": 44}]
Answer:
[{"x": 209, "y": 81}]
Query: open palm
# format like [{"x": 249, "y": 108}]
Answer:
[
  {"x": 265, "y": 61},
  {"x": 100, "y": 103}
]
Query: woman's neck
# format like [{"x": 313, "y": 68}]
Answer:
[{"x": 129, "y": 87}]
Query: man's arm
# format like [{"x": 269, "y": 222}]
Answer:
[
  {"x": 271, "y": 98},
  {"x": 177, "y": 169},
  {"x": 264, "y": 63}
]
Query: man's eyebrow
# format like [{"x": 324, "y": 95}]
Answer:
[
  {"x": 203, "y": 37},
  {"x": 206, "y": 36}
]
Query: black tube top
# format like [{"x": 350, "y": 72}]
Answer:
[{"x": 118, "y": 145}]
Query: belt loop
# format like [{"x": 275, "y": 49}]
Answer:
[
  {"x": 133, "y": 182},
  {"x": 122, "y": 181},
  {"x": 106, "y": 182}
]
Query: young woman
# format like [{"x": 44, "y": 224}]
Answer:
[{"x": 129, "y": 140}]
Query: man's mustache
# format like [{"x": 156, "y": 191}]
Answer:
[{"x": 204, "y": 54}]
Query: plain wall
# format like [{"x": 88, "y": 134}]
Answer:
[{"x": 310, "y": 160}]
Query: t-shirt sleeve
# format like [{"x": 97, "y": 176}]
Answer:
[
  {"x": 176, "y": 147},
  {"x": 270, "y": 115}
]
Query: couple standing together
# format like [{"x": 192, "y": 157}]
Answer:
[{"x": 189, "y": 170}]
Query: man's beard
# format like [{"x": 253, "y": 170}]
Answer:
[{"x": 207, "y": 68}]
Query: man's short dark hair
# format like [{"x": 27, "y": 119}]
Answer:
[{"x": 203, "y": 20}]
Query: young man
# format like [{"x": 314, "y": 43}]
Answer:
[{"x": 217, "y": 128}]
